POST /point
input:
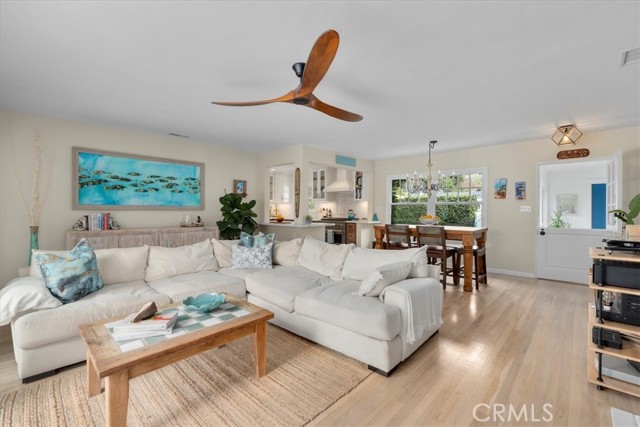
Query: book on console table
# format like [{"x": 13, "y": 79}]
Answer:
[{"x": 162, "y": 321}]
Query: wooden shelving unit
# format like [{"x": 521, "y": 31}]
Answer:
[{"x": 630, "y": 350}]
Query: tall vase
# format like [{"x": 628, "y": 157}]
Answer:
[{"x": 33, "y": 240}]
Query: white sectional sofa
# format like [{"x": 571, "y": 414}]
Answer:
[{"x": 310, "y": 289}]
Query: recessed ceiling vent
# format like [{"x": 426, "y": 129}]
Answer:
[
  {"x": 178, "y": 135},
  {"x": 631, "y": 56}
]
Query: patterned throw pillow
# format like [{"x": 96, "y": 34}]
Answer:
[
  {"x": 258, "y": 257},
  {"x": 70, "y": 277},
  {"x": 249, "y": 241}
]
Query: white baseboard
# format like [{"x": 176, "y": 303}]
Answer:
[{"x": 511, "y": 273}]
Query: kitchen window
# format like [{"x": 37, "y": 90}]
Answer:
[{"x": 461, "y": 199}]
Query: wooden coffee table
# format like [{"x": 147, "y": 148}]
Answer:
[{"x": 105, "y": 358}]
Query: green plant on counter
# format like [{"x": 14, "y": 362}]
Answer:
[
  {"x": 556, "y": 221},
  {"x": 237, "y": 216},
  {"x": 634, "y": 210}
]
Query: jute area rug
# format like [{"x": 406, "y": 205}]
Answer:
[{"x": 214, "y": 388}]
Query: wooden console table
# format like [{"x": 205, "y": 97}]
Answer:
[
  {"x": 133, "y": 237},
  {"x": 467, "y": 235}
]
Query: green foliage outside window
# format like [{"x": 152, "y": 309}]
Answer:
[{"x": 458, "y": 214}]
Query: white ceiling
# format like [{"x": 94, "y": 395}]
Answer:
[{"x": 463, "y": 73}]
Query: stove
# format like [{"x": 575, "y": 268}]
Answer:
[{"x": 335, "y": 233}]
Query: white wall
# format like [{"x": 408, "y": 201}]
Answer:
[
  {"x": 511, "y": 239},
  {"x": 222, "y": 166}
]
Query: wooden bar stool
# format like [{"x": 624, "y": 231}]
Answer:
[
  {"x": 397, "y": 236},
  {"x": 433, "y": 237},
  {"x": 479, "y": 265}
]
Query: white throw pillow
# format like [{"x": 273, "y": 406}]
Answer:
[
  {"x": 361, "y": 262},
  {"x": 323, "y": 258},
  {"x": 34, "y": 269},
  {"x": 121, "y": 265},
  {"x": 222, "y": 251},
  {"x": 256, "y": 257},
  {"x": 22, "y": 294},
  {"x": 169, "y": 262},
  {"x": 382, "y": 277},
  {"x": 286, "y": 253}
]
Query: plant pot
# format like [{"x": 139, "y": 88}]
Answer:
[{"x": 633, "y": 230}]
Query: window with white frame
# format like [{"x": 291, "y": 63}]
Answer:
[{"x": 461, "y": 199}]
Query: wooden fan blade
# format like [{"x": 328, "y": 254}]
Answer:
[
  {"x": 320, "y": 58},
  {"x": 288, "y": 97},
  {"x": 332, "y": 111}
]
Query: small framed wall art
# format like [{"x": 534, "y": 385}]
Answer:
[
  {"x": 240, "y": 187},
  {"x": 500, "y": 188},
  {"x": 521, "y": 190}
]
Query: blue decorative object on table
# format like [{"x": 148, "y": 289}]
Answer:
[{"x": 204, "y": 303}]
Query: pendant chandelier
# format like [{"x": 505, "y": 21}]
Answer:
[{"x": 418, "y": 186}]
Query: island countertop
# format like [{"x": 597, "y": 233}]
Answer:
[{"x": 291, "y": 224}]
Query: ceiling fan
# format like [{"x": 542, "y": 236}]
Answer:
[{"x": 310, "y": 74}]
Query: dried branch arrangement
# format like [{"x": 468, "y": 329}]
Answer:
[{"x": 33, "y": 210}]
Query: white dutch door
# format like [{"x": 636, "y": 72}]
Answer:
[{"x": 574, "y": 198}]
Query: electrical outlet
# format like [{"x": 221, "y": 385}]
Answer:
[{"x": 525, "y": 208}]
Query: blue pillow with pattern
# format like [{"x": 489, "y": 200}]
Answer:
[
  {"x": 249, "y": 241},
  {"x": 72, "y": 276},
  {"x": 258, "y": 257}
]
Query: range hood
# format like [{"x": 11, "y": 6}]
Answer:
[{"x": 343, "y": 182}]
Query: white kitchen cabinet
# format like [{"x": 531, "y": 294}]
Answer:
[
  {"x": 318, "y": 182},
  {"x": 282, "y": 186}
]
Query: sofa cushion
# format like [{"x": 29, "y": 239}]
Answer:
[
  {"x": 323, "y": 258},
  {"x": 46, "y": 326},
  {"x": 191, "y": 284},
  {"x": 71, "y": 276},
  {"x": 252, "y": 257},
  {"x": 382, "y": 277},
  {"x": 281, "y": 286},
  {"x": 168, "y": 262},
  {"x": 286, "y": 253},
  {"x": 222, "y": 251},
  {"x": 361, "y": 262},
  {"x": 24, "y": 294},
  {"x": 242, "y": 273},
  {"x": 121, "y": 265},
  {"x": 336, "y": 304}
]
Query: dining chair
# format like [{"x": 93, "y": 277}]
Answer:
[
  {"x": 479, "y": 265},
  {"x": 397, "y": 236},
  {"x": 433, "y": 236}
]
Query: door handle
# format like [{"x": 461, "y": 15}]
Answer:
[{"x": 542, "y": 232}]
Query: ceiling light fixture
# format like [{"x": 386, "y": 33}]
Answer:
[
  {"x": 417, "y": 186},
  {"x": 566, "y": 135}
]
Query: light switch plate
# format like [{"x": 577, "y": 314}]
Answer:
[{"x": 525, "y": 208}]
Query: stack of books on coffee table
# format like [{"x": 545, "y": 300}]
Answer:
[{"x": 161, "y": 323}]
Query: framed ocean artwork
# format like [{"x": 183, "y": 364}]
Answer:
[{"x": 107, "y": 179}]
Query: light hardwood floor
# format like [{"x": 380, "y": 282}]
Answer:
[{"x": 516, "y": 342}]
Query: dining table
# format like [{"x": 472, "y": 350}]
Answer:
[{"x": 469, "y": 236}]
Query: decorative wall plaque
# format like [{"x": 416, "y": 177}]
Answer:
[{"x": 573, "y": 154}]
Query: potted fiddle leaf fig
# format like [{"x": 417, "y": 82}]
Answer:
[
  {"x": 634, "y": 210},
  {"x": 237, "y": 216}
]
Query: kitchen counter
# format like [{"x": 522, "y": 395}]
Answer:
[
  {"x": 291, "y": 224},
  {"x": 290, "y": 230}
]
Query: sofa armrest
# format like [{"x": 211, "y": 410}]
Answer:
[
  {"x": 23, "y": 294},
  {"x": 420, "y": 304}
]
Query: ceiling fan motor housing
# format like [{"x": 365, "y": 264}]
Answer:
[{"x": 298, "y": 68}]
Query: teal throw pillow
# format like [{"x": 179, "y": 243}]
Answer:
[
  {"x": 72, "y": 276},
  {"x": 259, "y": 240}
]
